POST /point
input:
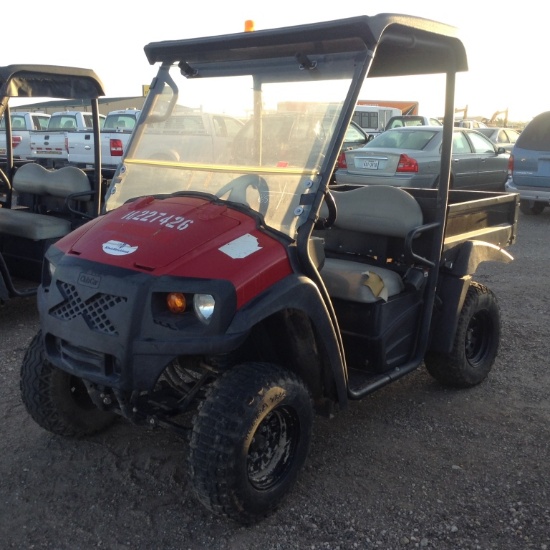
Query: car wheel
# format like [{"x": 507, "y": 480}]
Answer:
[
  {"x": 250, "y": 438},
  {"x": 475, "y": 345},
  {"x": 56, "y": 400},
  {"x": 531, "y": 208}
]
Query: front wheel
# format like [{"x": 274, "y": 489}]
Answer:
[
  {"x": 56, "y": 400},
  {"x": 531, "y": 208},
  {"x": 475, "y": 345},
  {"x": 250, "y": 440}
]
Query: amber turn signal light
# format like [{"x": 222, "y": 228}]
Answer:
[{"x": 176, "y": 302}]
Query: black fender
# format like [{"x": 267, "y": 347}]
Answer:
[
  {"x": 298, "y": 292},
  {"x": 453, "y": 283},
  {"x": 473, "y": 253}
]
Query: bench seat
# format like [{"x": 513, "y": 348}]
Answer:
[
  {"x": 370, "y": 212},
  {"x": 36, "y": 227}
]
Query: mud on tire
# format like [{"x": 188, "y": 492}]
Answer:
[
  {"x": 250, "y": 439},
  {"x": 56, "y": 400},
  {"x": 475, "y": 345}
]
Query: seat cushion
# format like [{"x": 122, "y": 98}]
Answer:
[
  {"x": 36, "y": 227},
  {"x": 359, "y": 282}
]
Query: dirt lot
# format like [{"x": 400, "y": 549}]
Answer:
[{"x": 412, "y": 466}]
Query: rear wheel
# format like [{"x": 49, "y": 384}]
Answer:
[
  {"x": 249, "y": 440},
  {"x": 476, "y": 342},
  {"x": 56, "y": 400},
  {"x": 531, "y": 208}
]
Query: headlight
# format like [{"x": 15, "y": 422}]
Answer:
[{"x": 204, "y": 306}]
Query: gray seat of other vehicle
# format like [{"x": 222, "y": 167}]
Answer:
[{"x": 35, "y": 180}]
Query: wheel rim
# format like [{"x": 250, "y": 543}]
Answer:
[
  {"x": 478, "y": 338},
  {"x": 273, "y": 447}
]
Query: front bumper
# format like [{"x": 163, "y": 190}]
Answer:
[{"x": 106, "y": 325}]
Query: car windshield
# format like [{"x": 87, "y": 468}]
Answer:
[
  {"x": 273, "y": 121},
  {"x": 403, "y": 139}
]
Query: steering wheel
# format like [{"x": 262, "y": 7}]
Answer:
[
  {"x": 323, "y": 223},
  {"x": 237, "y": 191}
]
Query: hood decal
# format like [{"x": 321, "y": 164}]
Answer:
[
  {"x": 241, "y": 247},
  {"x": 118, "y": 248}
]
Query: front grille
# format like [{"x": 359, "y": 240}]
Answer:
[{"x": 93, "y": 310}]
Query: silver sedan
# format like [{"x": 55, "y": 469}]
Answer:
[
  {"x": 410, "y": 157},
  {"x": 501, "y": 137}
]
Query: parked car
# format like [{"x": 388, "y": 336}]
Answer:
[
  {"x": 355, "y": 137},
  {"x": 409, "y": 157},
  {"x": 501, "y": 137},
  {"x": 529, "y": 166},
  {"x": 412, "y": 120},
  {"x": 294, "y": 130},
  {"x": 470, "y": 123},
  {"x": 22, "y": 123}
]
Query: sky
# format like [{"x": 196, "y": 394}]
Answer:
[{"x": 506, "y": 48}]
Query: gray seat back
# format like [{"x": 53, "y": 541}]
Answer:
[
  {"x": 377, "y": 210},
  {"x": 36, "y": 180}
]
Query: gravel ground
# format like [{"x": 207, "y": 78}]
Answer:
[{"x": 411, "y": 466}]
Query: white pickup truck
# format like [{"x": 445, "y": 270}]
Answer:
[
  {"x": 217, "y": 130},
  {"x": 115, "y": 134},
  {"x": 175, "y": 138},
  {"x": 22, "y": 123},
  {"x": 50, "y": 147}
]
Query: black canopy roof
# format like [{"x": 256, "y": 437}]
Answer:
[
  {"x": 49, "y": 81},
  {"x": 401, "y": 44}
]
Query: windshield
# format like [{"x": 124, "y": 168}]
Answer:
[{"x": 272, "y": 122}]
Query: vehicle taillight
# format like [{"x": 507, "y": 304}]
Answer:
[
  {"x": 117, "y": 149},
  {"x": 341, "y": 162},
  {"x": 15, "y": 141},
  {"x": 510, "y": 165},
  {"x": 407, "y": 164}
]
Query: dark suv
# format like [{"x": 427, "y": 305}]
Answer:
[{"x": 529, "y": 166}]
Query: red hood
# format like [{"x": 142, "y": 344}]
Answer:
[
  {"x": 151, "y": 233},
  {"x": 186, "y": 237}
]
